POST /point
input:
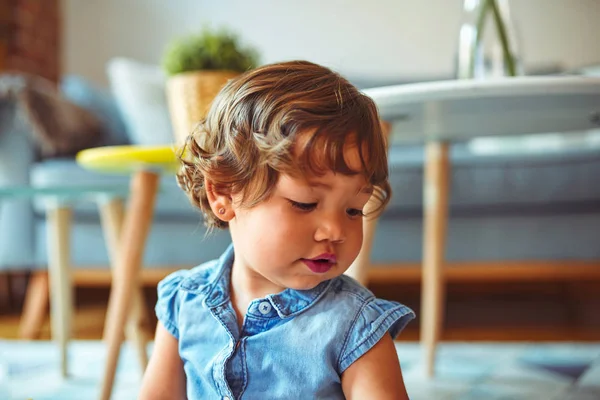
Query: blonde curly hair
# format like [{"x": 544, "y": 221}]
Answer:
[{"x": 247, "y": 138}]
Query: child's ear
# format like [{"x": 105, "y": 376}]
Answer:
[{"x": 220, "y": 203}]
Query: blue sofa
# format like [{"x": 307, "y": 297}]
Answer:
[{"x": 502, "y": 206}]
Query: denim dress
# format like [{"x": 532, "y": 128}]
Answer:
[{"x": 292, "y": 345}]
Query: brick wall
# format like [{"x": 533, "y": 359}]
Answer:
[
  {"x": 30, "y": 37},
  {"x": 5, "y": 31},
  {"x": 29, "y": 42}
]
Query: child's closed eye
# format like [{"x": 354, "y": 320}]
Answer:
[
  {"x": 303, "y": 206},
  {"x": 307, "y": 207},
  {"x": 355, "y": 212}
]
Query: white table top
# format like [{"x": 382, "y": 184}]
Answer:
[{"x": 463, "y": 109}]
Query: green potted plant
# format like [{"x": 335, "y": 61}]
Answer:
[
  {"x": 472, "y": 57},
  {"x": 198, "y": 66}
]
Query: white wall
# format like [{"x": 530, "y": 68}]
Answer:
[{"x": 377, "y": 39}]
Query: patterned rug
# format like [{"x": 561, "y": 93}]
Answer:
[{"x": 465, "y": 371}]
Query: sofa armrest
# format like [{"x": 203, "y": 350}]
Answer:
[{"x": 17, "y": 155}]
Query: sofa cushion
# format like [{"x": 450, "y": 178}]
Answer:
[
  {"x": 171, "y": 201},
  {"x": 98, "y": 101},
  {"x": 140, "y": 92},
  {"x": 533, "y": 236},
  {"x": 495, "y": 183},
  {"x": 169, "y": 244}
]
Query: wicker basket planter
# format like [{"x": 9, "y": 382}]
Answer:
[{"x": 189, "y": 96}]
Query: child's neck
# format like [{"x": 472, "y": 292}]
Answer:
[{"x": 247, "y": 285}]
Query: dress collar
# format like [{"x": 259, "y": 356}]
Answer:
[{"x": 287, "y": 303}]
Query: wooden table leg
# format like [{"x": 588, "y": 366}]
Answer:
[
  {"x": 58, "y": 222},
  {"x": 435, "y": 199},
  {"x": 111, "y": 214},
  {"x": 136, "y": 226},
  {"x": 35, "y": 308},
  {"x": 359, "y": 269},
  {"x": 5, "y": 291}
]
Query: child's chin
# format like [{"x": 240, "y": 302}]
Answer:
[{"x": 307, "y": 284}]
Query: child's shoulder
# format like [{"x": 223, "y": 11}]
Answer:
[
  {"x": 348, "y": 288},
  {"x": 360, "y": 318},
  {"x": 346, "y": 296},
  {"x": 173, "y": 289},
  {"x": 190, "y": 279},
  {"x": 350, "y": 302}
]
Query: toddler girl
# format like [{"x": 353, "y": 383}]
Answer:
[{"x": 287, "y": 159}]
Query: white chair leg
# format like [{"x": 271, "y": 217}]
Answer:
[{"x": 58, "y": 222}]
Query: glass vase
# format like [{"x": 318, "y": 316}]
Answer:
[{"x": 488, "y": 45}]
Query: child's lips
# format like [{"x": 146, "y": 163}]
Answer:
[{"x": 320, "y": 267}]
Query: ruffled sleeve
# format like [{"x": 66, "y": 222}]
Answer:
[
  {"x": 167, "y": 306},
  {"x": 374, "y": 319}
]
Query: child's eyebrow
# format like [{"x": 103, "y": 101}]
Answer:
[
  {"x": 320, "y": 184},
  {"x": 365, "y": 189}
]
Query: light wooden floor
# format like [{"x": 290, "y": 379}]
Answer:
[{"x": 88, "y": 324}]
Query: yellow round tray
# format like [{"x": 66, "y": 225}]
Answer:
[{"x": 128, "y": 159}]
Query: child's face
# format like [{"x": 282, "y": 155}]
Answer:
[{"x": 280, "y": 241}]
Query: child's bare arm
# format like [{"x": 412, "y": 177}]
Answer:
[
  {"x": 164, "y": 377},
  {"x": 375, "y": 375}
]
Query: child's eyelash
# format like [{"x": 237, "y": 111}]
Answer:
[
  {"x": 352, "y": 212},
  {"x": 303, "y": 206}
]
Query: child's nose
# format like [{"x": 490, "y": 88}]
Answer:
[{"x": 331, "y": 228}]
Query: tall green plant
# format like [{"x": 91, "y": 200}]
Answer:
[
  {"x": 209, "y": 50},
  {"x": 490, "y": 6}
]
